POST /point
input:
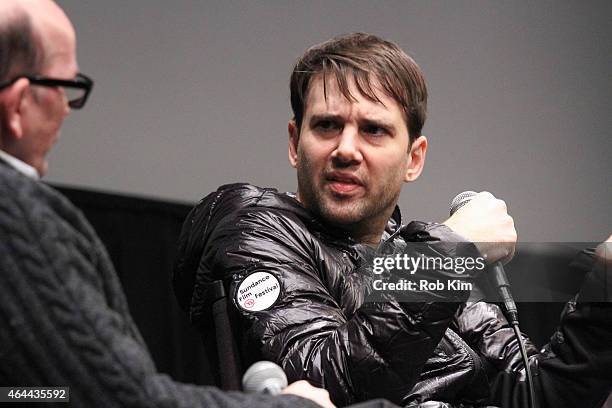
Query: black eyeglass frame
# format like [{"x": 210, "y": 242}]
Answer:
[{"x": 81, "y": 81}]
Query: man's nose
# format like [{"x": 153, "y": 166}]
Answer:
[{"x": 348, "y": 149}]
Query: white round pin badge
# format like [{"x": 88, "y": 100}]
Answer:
[{"x": 257, "y": 292}]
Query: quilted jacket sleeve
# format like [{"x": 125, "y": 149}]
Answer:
[
  {"x": 572, "y": 370},
  {"x": 377, "y": 351}
]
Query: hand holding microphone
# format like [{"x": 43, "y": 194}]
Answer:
[
  {"x": 267, "y": 377},
  {"x": 303, "y": 389},
  {"x": 483, "y": 219}
]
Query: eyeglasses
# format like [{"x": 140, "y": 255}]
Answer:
[{"x": 76, "y": 90}]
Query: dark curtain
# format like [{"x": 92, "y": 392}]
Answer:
[{"x": 141, "y": 235}]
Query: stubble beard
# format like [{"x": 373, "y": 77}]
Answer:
[{"x": 360, "y": 215}]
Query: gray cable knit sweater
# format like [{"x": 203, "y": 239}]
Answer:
[{"x": 64, "y": 320}]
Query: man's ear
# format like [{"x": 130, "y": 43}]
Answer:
[
  {"x": 13, "y": 105},
  {"x": 417, "y": 153},
  {"x": 294, "y": 138}
]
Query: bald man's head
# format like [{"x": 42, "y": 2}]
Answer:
[{"x": 37, "y": 40}]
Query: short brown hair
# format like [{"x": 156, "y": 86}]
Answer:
[{"x": 362, "y": 56}]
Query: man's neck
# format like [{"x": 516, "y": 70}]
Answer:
[
  {"x": 367, "y": 235},
  {"x": 368, "y": 231},
  {"x": 19, "y": 165}
]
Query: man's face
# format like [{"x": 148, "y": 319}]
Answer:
[
  {"x": 352, "y": 158},
  {"x": 45, "y": 108}
]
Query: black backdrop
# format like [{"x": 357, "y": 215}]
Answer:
[{"x": 141, "y": 234}]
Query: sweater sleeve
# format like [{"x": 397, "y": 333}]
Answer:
[{"x": 63, "y": 317}]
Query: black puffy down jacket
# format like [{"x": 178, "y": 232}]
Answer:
[{"x": 321, "y": 328}]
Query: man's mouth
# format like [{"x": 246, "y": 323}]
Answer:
[{"x": 343, "y": 183}]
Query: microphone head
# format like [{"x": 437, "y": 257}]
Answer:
[
  {"x": 460, "y": 200},
  {"x": 264, "y": 377}
]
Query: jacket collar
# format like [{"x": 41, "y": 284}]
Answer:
[{"x": 289, "y": 202}]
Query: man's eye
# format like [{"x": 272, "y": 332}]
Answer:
[
  {"x": 327, "y": 125},
  {"x": 374, "y": 130}
]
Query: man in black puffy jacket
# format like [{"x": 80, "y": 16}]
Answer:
[{"x": 298, "y": 267}]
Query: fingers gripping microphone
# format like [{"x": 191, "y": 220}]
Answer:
[
  {"x": 497, "y": 276},
  {"x": 264, "y": 377}
]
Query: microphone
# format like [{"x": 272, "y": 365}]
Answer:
[
  {"x": 496, "y": 275},
  {"x": 264, "y": 377}
]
